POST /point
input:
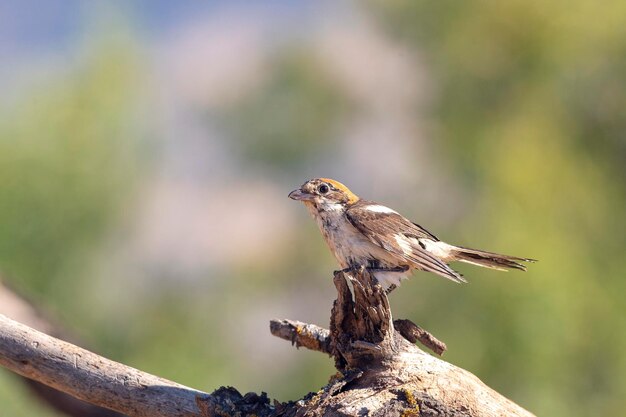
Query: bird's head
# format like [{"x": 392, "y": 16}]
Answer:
[{"x": 324, "y": 193}]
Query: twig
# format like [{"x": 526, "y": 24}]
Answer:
[
  {"x": 413, "y": 333},
  {"x": 302, "y": 334},
  {"x": 317, "y": 338}
]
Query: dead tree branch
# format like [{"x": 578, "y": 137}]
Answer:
[
  {"x": 414, "y": 333},
  {"x": 94, "y": 379},
  {"x": 382, "y": 373},
  {"x": 302, "y": 334},
  {"x": 19, "y": 308},
  {"x": 318, "y": 339},
  {"x": 385, "y": 374}
]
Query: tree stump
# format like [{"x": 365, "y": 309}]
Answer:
[{"x": 381, "y": 371}]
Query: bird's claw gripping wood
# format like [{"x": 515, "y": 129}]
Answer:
[
  {"x": 370, "y": 269},
  {"x": 353, "y": 268}
]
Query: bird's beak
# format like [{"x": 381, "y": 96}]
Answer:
[{"x": 300, "y": 195}]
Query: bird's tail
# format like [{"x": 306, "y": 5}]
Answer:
[{"x": 488, "y": 259}]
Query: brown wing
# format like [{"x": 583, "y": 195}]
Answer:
[{"x": 382, "y": 227}]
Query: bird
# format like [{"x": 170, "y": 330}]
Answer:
[{"x": 366, "y": 234}]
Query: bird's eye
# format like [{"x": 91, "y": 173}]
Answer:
[{"x": 323, "y": 189}]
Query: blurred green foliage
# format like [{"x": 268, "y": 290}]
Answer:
[
  {"x": 294, "y": 117},
  {"x": 67, "y": 165},
  {"x": 65, "y": 160},
  {"x": 530, "y": 106}
]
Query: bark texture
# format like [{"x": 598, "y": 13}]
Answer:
[
  {"x": 381, "y": 371},
  {"x": 19, "y": 308},
  {"x": 91, "y": 377}
]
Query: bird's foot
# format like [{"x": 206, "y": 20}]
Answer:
[
  {"x": 390, "y": 289},
  {"x": 358, "y": 268},
  {"x": 353, "y": 268},
  {"x": 403, "y": 268},
  {"x": 372, "y": 269}
]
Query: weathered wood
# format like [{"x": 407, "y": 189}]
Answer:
[
  {"x": 383, "y": 374},
  {"x": 17, "y": 307},
  {"x": 300, "y": 334},
  {"x": 317, "y": 338},
  {"x": 414, "y": 333},
  {"x": 361, "y": 328},
  {"x": 91, "y": 377},
  {"x": 227, "y": 401}
]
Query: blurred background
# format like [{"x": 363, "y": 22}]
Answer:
[{"x": 147, "y": 149}]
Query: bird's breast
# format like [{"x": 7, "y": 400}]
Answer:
[{"x": 349, "y": 246}]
